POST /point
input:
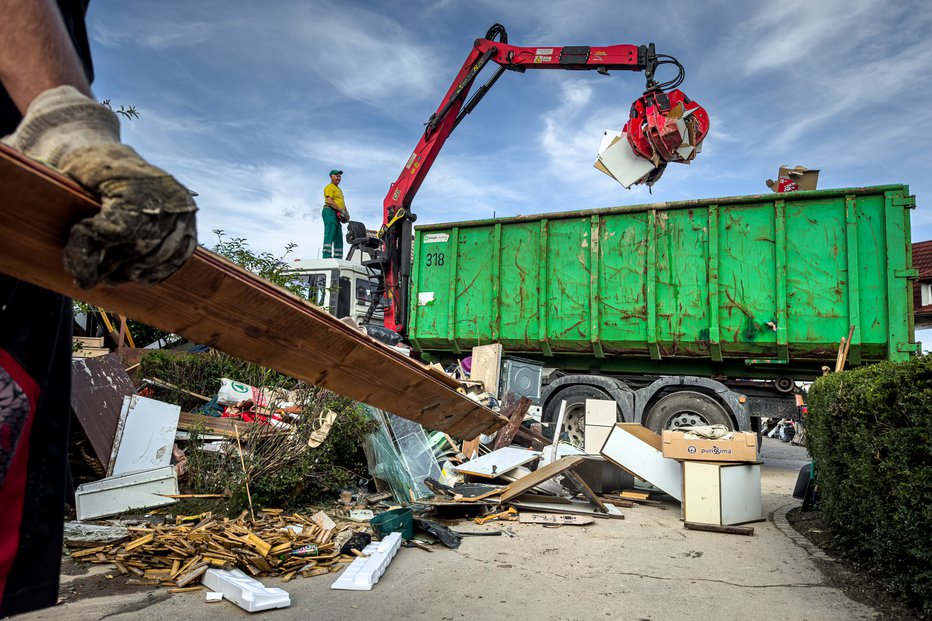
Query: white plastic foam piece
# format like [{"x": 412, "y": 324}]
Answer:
[
  {"x": 363, "y": 573},
  {"x": 247, "y": 593}
]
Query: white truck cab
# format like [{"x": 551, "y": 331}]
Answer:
[{"x": 342, "y": 287}]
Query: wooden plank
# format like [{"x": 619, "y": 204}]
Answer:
[
  {"x": 98, "y": 386},
  {"x": 89, "y": 341},
  {"x": 487, "y": 366},
  {"x": 714, "y": 528},
  {"x": 515, "y": 410},
  {"x": 471, "y": 447},
  {"x": 214, "y": 302},
  {"x": 586, "y": 490},
  {"x": 91, "y": 352},
  {"x": 539, "y": 476},
  {"x": 213, "y": 424}
]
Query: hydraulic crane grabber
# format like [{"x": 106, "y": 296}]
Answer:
[{"x": 664, "y": 126}]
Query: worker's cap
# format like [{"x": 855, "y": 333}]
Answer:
[{"x": 336, "y": 172}]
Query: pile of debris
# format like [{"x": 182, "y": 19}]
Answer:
[
  {"x": 177, "y": 555},
  {"x": 428, "y": 482}
]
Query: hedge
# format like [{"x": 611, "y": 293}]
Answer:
[{"x": 870, "y": 436}]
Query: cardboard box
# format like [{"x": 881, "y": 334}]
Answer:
[
  {"x": 794, "y": 179},
  {"x": 741, "y": 447},
  {"x": 721, "y": 494}
]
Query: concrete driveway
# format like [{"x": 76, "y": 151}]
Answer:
[{"x": 646, "y": 566}]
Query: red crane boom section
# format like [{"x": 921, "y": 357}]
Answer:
[{"x": 397, "y": 219}]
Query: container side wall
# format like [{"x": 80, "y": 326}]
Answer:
[
  {"x": 431, "y": 292},
  {"x": 474, "y": 286},
  {"x": 520, "y": 285},
  {"x": 622, "y": 285},
  {"x": 747, "y": 280},
  {"x": 682, "y": 281},
  {"x": 568, "y": 288},
  {"x": 817, "y": 267}
]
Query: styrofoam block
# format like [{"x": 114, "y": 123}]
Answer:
[
  {"x": 247, "y": 593},
  {"x": 363, "y": 573}
]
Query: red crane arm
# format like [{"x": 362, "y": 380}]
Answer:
[
  {"x": 447, "y": 116},
  {"x": 397, "y": 218}
]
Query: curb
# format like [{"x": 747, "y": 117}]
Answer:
[{"x": 784, "y": 526}]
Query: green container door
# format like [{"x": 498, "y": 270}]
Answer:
[{"x": 767, "y": 281}]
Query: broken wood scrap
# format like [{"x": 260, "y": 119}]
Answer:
[
  {"x": 177, "y": 555},
  {"x": 715, "y": 528},
  {"x": 587, "y": 492},
  {"x": 190, "y": 589},
  {"x": 515, "y": 410},
  {"x": 632, "y": 496},
  {"x": 539, "y": 476},
  {"x": 617, "y": 501}
]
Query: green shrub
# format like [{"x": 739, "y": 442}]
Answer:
[
  {"x": 201, "y": 372},
  {"x": 870, "y": 435},
  {"x": 283, "y": 470}
]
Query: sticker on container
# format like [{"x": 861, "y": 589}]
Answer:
[
  {"x": 544, "y": 50},
  {"x": 425, "y": 298},
  {"x": 436, "y": 238},
  {"x": 542, "y": 59}
]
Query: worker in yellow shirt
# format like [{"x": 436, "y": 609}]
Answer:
[{"x": 334, "y": 213}]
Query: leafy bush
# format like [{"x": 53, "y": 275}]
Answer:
[
  {"x": 200, "y": 373},
  {"x": 870, "y": 435},
  {"x": 283, "y": 470}
]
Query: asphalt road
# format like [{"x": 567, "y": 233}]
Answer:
[{"x": 646, "y": 566}]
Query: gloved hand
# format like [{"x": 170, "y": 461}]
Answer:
[
  {"x": 343, "y": 216},
  {"x": 145, "y": 229}
]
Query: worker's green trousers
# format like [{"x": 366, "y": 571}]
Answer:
[{"x": 333, "y": 235}]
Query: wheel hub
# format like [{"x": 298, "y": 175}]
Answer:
[
  {"x": 686, "y": 419},
  {"x": 574, "y": 425}
]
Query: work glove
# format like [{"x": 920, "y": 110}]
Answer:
[
  {"x": 145, "y": 229},
  {"x": 343, "y": 216}
]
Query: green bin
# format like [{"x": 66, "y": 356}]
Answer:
[{"x": 394, "y": 520}]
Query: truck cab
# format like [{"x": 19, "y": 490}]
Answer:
[{"x": 343, "y": 287}]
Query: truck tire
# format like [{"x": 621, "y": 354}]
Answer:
[
  {"x": 686, "y": 408},
  {"x": 574, "y": 419}
]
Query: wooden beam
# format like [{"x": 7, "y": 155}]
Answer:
[
  {"x": 715, "y": 528},
  {"x": 214, "y": 302},
  {"x": 515, "y": 410}
]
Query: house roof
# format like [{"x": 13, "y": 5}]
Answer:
[{"x": 922, "y": 261}]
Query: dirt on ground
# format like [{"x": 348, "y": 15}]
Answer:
[
  {"x": 856, "y": 582},
  {"x": 84, "y": 580}
]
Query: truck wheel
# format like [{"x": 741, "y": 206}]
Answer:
[
  {"x": 686, "y": 408},
  {"x": 574, "y": 419}
]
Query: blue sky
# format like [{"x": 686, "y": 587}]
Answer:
[{"x": 250, "y": 104}]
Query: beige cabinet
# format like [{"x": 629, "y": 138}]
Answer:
[{"x": 721, "y": 493}]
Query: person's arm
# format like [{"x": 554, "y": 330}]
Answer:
[
  {"x": 36, "y": 53},
  {"x": 145, "y": 229}
]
